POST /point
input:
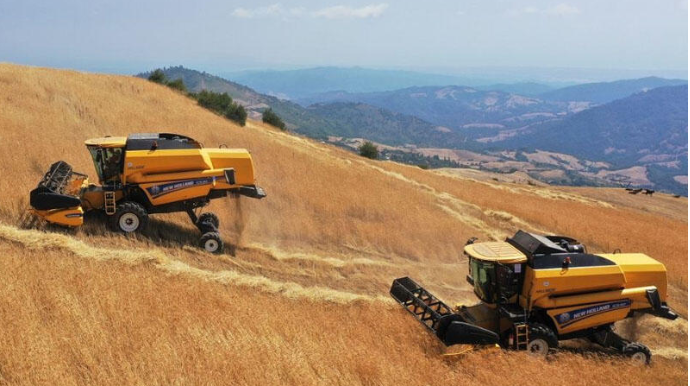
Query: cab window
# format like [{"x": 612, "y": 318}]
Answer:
[
  {"x": 484, "y": 275},
  {"x": 108, "y": 163}
]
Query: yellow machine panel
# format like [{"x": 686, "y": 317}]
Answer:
[
  {"x": 641, "y": 270},
  {"x": 543, "y": 284},
  {"x": 70, "y": 217},
  {"x": 165, "y": 193},
  {"x": 575, "y": 318}
]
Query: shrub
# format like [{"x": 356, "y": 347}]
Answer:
[
  {"x": 158, "y": 76},
  {"x": 369, "y": 150},
  {"x": 273, "y": 119},
  {"x": 177, "y": 84}
]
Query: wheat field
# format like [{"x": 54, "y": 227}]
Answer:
[{"x": 300, "y": 296}]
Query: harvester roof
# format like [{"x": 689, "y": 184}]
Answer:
[
  {"x": 144, "y": 141},
  {"x": 106, "y": 142},
  {"x": 499, "y": 251}
]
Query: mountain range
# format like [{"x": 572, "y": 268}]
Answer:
[
  {"x": 604, "y": 92},
  {"x": 295, "y": 84},
  {"x": 458, "y": 107},
  {"x": 604, "y": 136}
]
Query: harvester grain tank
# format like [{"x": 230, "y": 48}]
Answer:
[
  {"x": 144, "y": 174},
  {"x": 538, "y": 290}
]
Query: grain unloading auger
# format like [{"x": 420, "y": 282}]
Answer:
[
  {"x": 144, "y": 174},
  {"x": 538, "y": 290}
]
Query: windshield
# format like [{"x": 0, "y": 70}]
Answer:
[
  {"x": 484, "y": 276},
  {"x": 108, "y": 163}
]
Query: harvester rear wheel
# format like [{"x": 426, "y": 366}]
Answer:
[
  {"x": 541, "y": 339},
  {"x": 211, "y": 242},
  {"x": 639, "y": 353},
  {"x": 129, "y": 217},
  {"x": 208, "y": 218}
]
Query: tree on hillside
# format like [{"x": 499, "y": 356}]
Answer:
[
  {"x": 273, "y": 119},
  {"x": 158, "y": 76},
  {"x": 369, "y": 150},
  {"x": 222, "y": 104},
  {"x": 177, "y": 84},
  {"x": 214, "y": 101},
  {"x": 237, "y": 113}
]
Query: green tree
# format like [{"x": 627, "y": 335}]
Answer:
[
  {"x": 214, "y": 101},
  {"x": 177, "y": 84},
  {"x": 369, "y": 150},
  {"x": 237, "y": 113},
  {"x": 273, "y": 119},
  {"x": 158, "y": 76},
  {"x": 221, "y": 104}
]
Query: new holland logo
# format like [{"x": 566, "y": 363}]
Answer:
[
  {"x": 570, "y": 317},
  {"x": 159, "y": 190}
]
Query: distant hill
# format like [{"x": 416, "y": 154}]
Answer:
[
  {"x": 301, "y": 83},
  {"x": 608, "y": 91},
  {"x": 296, "y": 117},
  {"x": 360, "y": 120},
  {"x": 523, "y": 88},
  {"x": 458, "y": 107},
  {"x": 646, "y": 129}
]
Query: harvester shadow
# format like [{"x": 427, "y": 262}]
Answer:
[
  {"x": 587, "y": 350},
  {"x": 159, "y": 232}
]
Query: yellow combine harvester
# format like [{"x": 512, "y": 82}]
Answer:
[
  {"x": 537, "y": 290},
  {"x": 143, "y": 174}
]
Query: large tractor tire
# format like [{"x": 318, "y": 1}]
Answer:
[
  {"x": 541, "y": 339},
  {"x": 211, "y": 242},
  {"x": 129, "y": 217},
  {"x": 208, "y": 222},
  {"x": 638, "y": 353}
]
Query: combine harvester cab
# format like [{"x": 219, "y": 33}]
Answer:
[
  {"x": 537, "y": 290},
  {"x": 144, "y": 174}
]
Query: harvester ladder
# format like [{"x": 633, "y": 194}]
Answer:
[
  {"x": 109, "y": 198},
  {"x": 521, "y": 336}
]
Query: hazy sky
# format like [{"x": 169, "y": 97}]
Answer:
[{"x": 127, "y": 36}]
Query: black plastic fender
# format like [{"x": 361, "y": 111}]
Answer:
[{"x": 453, "y": 330}]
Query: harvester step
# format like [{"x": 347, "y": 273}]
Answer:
[
  {"x": 109, "y": 198},
  {"x": 521, "y": 336}
]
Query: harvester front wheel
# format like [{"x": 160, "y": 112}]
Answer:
[
  {"x": 639, "y": 353},
  {"x": 129, "y": 217},
  {"x": 211, "y": 242},
  {"x": 541, "y": 339}
]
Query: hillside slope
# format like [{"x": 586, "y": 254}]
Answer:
[{"x": 302, "y": 296}]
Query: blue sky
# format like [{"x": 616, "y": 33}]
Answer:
[{"x": 433, "y": 35}]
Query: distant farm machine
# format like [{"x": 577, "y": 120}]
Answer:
[
  {"x": 144, "y": 174},
  {"x": 538, "y": 290}
]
